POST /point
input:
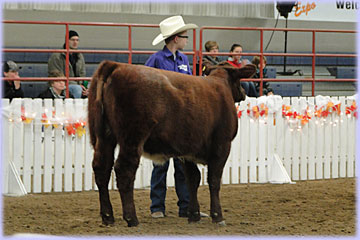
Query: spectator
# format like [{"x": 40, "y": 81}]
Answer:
[
  {"x": 173, "y": 31},
  {"x": 56, "y": 88},
  {"x": 267, "y": 90},
  {"x": 210, "y": 60},
  {"x": 236, "y": 61},
  {"x": 11, "y": 89},
  {"x": 76, "y": 65}
]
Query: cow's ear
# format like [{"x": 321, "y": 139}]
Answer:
[
  {"x": 248, "y": 71},
  {"x": 208, "y": 70}
]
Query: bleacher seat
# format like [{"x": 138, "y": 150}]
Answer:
[
  {"x": 90, "y": 69},
  {"x": 33, "y": 89},
  {"x": 345, "y": 72},
  {"x": 346, "y": 61},
  {"x": 342, "y": 72},
  {"x": 41, "y": 70},
  {"x": 271, "y": 72},
  {"x": 33, "y": 57},
  {"x": 33, "y": 70},
  {"x": 287, "y": 89},
  {"x": 35, "y": 65}
]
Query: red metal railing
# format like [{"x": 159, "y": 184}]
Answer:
[
  {"x": 195, "y": 53},
  {"x": 67, "y": 51},
  {"x": 261, "y": 53}
]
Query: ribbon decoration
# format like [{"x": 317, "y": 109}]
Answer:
[
  {"x": 77, "y": 128},
  {"x": 293, "y": 117},
  {"x": 352, "y": 110},
  {"x": 330, "y": 108},
  {"x": 24, "y": 116},
  {"x": 239, "y": 112},
  {"x": 324, "y": 108},
  {"x": 265, "y": 105},
  {"x": 72, "y": 127}
]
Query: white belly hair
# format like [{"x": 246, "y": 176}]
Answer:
[
  {"x": 158, "y": 159},
  {"x": 161, "y": 159}
]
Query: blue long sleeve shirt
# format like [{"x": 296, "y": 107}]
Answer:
[{"x": 165, "y": 60}]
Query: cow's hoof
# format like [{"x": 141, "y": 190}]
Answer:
[
  {"x": 132, "y": 222},
  {"x": 108, "y": 219},
  {"x": 194, "y": 217},
  {"x": 191, "y": 221},
  {"x": 221, "y": 224}
]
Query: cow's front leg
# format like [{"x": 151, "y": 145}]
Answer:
[
  {"x": 214, "y": 187},
  {"x": 192, "y": 175},
  {"x": 102, "y": 164},
  {"x": 215, "y": 169},
  {"x": 125, "y": 169}
]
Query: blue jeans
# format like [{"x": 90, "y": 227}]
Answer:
[
  {"x": 249, "y": 88},
  {"x": 158, "y": 187},
  {"x": 76, "y": 90}
]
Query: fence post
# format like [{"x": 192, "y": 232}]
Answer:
[
  {"x": 17, "y": 134},
  {"x": 295, "y": 135},
  {"x": 244, "y": 143},
  {"x": 79, "y": 142},
  {"x": 319, "y": 135},
  {"x": 28, "y": 144},
  {"x": 287, "y": 142},
  {"x": 311, "y": 142},
  {"x": 335, "y": 143},
  {"x": 68, "y": 153},
  {"x": 261, "y": 142},
  {"x": 59, "y": 134},
  {"x": 88, "y": 179},
  {"x": 351, "y": 126},
  {"x": 48, "y": 149},
  {"x": 253, "y": 134},
  {"x": 6, "y": 144},
  {"x": 38, "y": 149},
  {"x": 343, "y": 139}
]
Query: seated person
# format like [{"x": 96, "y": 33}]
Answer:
[
  {"x": 76, "y": 65},
  {"x": 56, "y": 88},
  {"x": 11, "y": 89},
  {"x": 267, "y": 90},
  {"x": 210, "y": 60},
  {"x": 235, "y": 61}
]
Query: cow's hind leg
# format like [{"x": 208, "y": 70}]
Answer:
[
  {"x": 102, "y": 164},
  {"x": 215, "y": 169},
  {"x": 193, "y": 177},
  {"x": 125, "y": 169}
]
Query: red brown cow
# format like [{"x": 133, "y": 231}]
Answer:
[{"x": 162, "y": 114}]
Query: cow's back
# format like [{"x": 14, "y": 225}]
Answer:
[{"x": 185, "y": 115}]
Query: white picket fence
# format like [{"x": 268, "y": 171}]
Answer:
[{"x": 48, "y": 158}]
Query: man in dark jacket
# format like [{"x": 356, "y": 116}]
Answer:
[
  {"x": 11, "y": 89},
  {"x": 76, "y": 65}
]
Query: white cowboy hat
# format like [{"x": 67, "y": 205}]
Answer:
[{"x": 171, "y": 26}]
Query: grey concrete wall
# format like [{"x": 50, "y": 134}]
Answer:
[{"x": 117, "y": 37}]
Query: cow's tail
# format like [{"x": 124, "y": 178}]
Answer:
[{"x": 96, "y": 100}]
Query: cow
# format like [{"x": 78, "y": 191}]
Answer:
[{"x": 162, "y": 114}]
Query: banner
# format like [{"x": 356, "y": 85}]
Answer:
[{"x": 332, "y": 11}]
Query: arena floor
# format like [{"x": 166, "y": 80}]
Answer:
[{"x": 324, "y": 207}]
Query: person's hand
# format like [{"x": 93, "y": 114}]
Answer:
[
  {"x": 245, "y": 62},
  {"x": 85, "y": 91},
  {"x": 17, "y": 84}
]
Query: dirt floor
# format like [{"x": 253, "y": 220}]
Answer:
[{"x": 325, "y": 207}]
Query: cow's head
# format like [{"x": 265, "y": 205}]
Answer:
[{"x": 233, "y": 77}]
